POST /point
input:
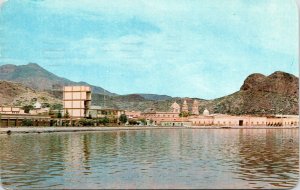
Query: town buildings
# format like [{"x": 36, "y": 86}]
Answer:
[
  {"x": 77, "y": 104},
  {"x": 175, "y": 118}
]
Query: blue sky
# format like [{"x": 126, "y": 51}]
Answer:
[{"x": 193, "y": 48}]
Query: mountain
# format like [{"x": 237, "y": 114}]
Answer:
[
  {"x": 277, "y": 93},
  {"x": 34, "y": 76}
]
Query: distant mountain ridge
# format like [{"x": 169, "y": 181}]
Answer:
[{"x": 34, "y": 76}]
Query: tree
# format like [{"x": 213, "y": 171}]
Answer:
[
  {"x": 184, "y": 114},
  {"x": 103, "y": 120},
  {"x": 67, "y": 115},
  {"x": 143, "y": 121},
  {"x": 56, "y": 106},
  {"x": 86, "y": 122},
  {"x": 132, "y": 122},
  {"x": 27, "y": 122},
  {"x": 123, "y": 118},
  {"x": 27, "y": 108},
  {"x": 59, "y": 114}
]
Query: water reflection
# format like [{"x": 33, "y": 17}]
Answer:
[
  {"x": 181, "y": 158},
  {"x": 272, "y": 160}
]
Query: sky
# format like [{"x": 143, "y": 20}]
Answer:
[{"x": 181, "y": 48}]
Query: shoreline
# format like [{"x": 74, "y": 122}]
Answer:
[{"x": 10, "y": 130}]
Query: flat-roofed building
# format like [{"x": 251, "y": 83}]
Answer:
[
  {"x": 77, "y": 101},
  {"x": 11, "y": 110},
  {"x": 99, "y": 112},
  {"x": 176, "y": 123},
  {"x": 158, "y": 117},
  {"x": 133, "y": 114}
]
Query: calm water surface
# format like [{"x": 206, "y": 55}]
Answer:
[{"x": 161, "y": 158}]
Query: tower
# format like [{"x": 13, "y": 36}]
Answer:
[
  {"x": 195, "y": 108},
  {"x": 205, "y": 112},
  {"x": 175, "y": 108},
  {"x": 185, "y": 107}
]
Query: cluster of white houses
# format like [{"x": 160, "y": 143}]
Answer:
[{"x": 77, "y": 105}]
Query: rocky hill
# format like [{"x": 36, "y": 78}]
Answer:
[
  {"x": 12, "y": 93},
  {"x": 34, "y": 76},
  {"x": 277, "y": 93}
]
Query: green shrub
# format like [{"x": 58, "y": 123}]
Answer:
[
  {"x": 86, "y": 122},
  {"x": 103, "y": 121},
  {"x": 132, "y": 122},
  {"x": 27, "y": 122},
  {"x": 123, "y": 118}
]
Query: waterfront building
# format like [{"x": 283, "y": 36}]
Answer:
[
  {"x": 283, "y": 120},
  {"x": 176, "y": 123},
  {"x": 77, "y": 101},
  {"x": 185, "y": 107},
  {"x": 111, "y": 113},
  {"x": 201, "y": 120},
  {"x": 229, "y": 120},
  {"x": 195, "y": 107},
  {"x": 133, "y": 114},
  {"x": 158, "y": 117},
  {"x": 11, "y": 120}
]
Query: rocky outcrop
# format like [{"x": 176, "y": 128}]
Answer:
[{"x": 277, "y": 93}]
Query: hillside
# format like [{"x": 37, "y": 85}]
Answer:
[
  {"x": 34, "y": 76},
  {"x": 12, "y": 93},
  {"x": 277, "y": 93},
  {"x": 155, "y": 97}
]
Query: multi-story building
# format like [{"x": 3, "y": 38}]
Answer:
[{"x": 77, "y": 101}]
